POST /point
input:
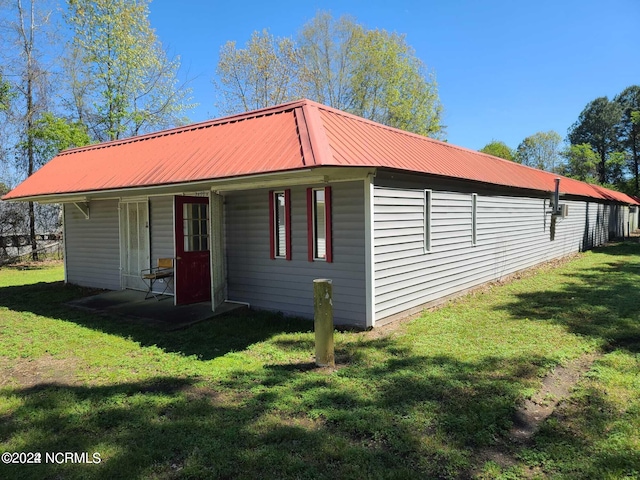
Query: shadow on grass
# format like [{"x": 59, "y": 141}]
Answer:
[
  {"x": 403, "y": 415},
  {"x": 603, "y": 304},
  {"x": 409, "y": 417},
  {"x": 205, "y": 340}
]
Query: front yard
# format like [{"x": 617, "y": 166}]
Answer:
[{"x": 239, "y": 397}]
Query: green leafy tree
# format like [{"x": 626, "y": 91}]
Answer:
[
  {"x": 617, "y": 171},
  {"x": 541, "y": 150},
  {"x": 498, "y": 149},
  {"x": 121, "y": 81},
  {"x": 371, "y": 73},
  {"x": 263, "y": 73},
  {"x": 389, "y": 84},
  {"x": 596, "y": 126},
  {"x": 53, "y": 134},
  {"x": 5, "y": 94},
  {"x": 628, "y": 129},
  {"x": 581, "y": 163}
]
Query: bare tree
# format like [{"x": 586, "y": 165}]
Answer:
[
  {"x": 26, "y": 23},
  {"x": 327, "y": 46},
  {"x": 372, "y": 73},
  {"x": 263, "y": 73}
]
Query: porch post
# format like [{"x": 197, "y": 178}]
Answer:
[
  {"x": 323, "y": 322},
  {"x": 216, "y": 225}
]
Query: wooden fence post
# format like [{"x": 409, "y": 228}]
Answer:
[{"x": 323, "y": 322}]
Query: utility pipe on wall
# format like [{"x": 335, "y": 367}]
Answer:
[{"x": 556, "y": 197}]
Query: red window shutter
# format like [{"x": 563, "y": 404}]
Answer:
[
  {"x": 272, "y": 240},
  {"x": 287, "y": 221},
  {"x": 310, "y": 224},
  {"x": 329, "y": 241}
]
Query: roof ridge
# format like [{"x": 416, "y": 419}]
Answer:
[{"x": 322, "y": 151}]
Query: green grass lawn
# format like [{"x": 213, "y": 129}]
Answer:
[{"x": 239, "y": 397}]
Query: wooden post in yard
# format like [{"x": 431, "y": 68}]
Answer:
[{"x": 323, "y": 322}]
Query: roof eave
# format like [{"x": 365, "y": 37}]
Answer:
[{"x": 314, "y": 174}]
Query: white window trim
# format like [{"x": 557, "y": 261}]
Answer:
[
  {"x": 313, "y": 224},
  {"x": 276, "y": 232}
]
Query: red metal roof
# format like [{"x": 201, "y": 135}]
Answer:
[{"x": 291, "y": 136}]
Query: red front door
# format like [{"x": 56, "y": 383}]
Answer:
[{"x": 192, "y": 266}]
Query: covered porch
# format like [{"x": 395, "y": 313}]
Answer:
[
  {"x": 184, "y": 234},
  {"x": 160, "y": 314}
]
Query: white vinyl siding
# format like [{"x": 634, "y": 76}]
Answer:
[
  {"x": 504, "y": 235},
  {"x": 93, "y": 245},
  {"x": 288, "y": 286}
]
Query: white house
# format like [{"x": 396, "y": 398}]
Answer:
[{"x": 254, "y": 206}]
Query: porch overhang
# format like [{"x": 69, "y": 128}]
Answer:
[{"x": 306, "y": 176}]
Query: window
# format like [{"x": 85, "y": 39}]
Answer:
[
  {"x": 319, "y": 224},
  {"x": 280, "y": 224},
  {"x": 427, "y": 221},
  {"x": 474, "y": 218},
  {"x": 195, "y": 227}
]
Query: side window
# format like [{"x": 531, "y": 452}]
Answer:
[
  {"x": 474, "y": 219},
  {"x": 280, "y": 224},
  {"x": 319, "y": 233},
  {"x": 427, "y": 221}
]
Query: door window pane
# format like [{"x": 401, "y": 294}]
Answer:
[{"x": 195, "y": 227}]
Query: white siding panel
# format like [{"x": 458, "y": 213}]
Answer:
[
  {"x": 287, "y": 286},
  {"x": 93, "y": 245},
  {"x": 513, "y": 233}
]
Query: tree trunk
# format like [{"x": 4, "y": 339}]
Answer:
[
  {"x": 636, "y": 161},
  {"x": 27, "y": 35},
  {"x": 32, "y": 232},
  {"x": 31, "y": 159},
  {"x": 602, "y": 167}
]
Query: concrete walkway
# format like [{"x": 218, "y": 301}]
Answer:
[{"x": 161, "y": 314}]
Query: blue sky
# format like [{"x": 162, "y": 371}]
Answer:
[{"x": 505, "y": 69}]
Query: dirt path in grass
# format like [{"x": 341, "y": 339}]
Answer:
[
  {"x": 556, "y": 387},
  {"x": 27, "y": 373}
]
